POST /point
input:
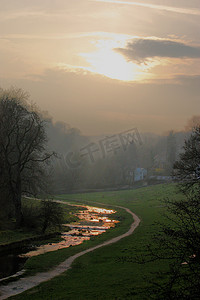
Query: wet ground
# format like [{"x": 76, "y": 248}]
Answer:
[{"x": 93, "y": 221}]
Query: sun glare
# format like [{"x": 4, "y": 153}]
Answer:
[{"x": 106, "y": 61}]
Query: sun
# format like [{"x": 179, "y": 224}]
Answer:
[{"x": 106, "y": 61}]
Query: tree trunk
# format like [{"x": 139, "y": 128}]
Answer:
[
  {"x": 18, "y": 211},
  {"x": 45, "y": 225}
]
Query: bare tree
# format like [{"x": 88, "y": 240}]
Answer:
[
  {"x": 51, "y": 214},
  {"x": 177, "y": 242},
  {"x": 178, "y": 239},
  {"x": 22, "y": 148},
  {"x": 193, "y": 122},
  {"x": 187, "y": 168}
]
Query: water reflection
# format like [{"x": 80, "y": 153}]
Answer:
[
  {"x": 93, "y": 221},
  {"x": 10, "y": 264}
]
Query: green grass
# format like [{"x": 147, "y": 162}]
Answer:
[
  {"x": 48, "y": 260},
  {"x": 11, "y": 236},
  {"x": 109, "y": 272}
]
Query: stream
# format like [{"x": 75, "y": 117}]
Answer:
[{"x": 92, "y": 222}]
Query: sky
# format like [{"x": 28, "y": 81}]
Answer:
[{"x": 105, "y": 66}]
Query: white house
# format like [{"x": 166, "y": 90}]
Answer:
[{"x": 140, "y": 174}]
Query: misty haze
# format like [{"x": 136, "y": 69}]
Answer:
[{"x": 99, "y": 149}]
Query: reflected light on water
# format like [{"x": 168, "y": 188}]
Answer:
[{"x": 81, "y": 231}]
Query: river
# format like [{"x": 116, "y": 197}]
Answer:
[{"x": 92, "y": 222}]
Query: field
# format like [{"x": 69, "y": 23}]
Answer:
[{"x": 110, "y": 272}]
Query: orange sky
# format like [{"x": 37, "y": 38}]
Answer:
[{"x": 105, "y": 66}]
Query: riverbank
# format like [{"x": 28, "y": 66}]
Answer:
[
  {"x": 13, "y": 236},
  {"x": 14, "y": 243},
  {"x": 93, "y": 221},
  {"x": 47, "y": 261},
  {"x": 29, "y": 282},
  {"x": 8, "y": 247}
]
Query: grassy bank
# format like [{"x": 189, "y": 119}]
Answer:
[
  {"x": 48, "y": 260},
  {"x": 111, "y": 272},
  {"x": 29, "y": 205}
]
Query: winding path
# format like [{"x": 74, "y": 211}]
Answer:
[{"x": 26, "y": 283}]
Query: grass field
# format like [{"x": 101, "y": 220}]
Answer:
[{"x": 109, "y": 272}]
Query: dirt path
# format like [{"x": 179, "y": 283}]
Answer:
[{"x": 26, "y": 283}]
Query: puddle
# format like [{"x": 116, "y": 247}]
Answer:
[{"x": 93, "y": 221}]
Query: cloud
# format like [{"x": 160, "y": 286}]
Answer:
[
  {"x": 29, "y": 14},
  {"x": 143, "y": 48},
  {"x": 94, "y": 104},
  {"x": 65, "y": 36},
  {"x": 188, "y": 80},
  {"x": 154, "y": 6}
]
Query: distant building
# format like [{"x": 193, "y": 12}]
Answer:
[
  {"x": 161, "y": 178},
  {"x": 140, "y": 174}
]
